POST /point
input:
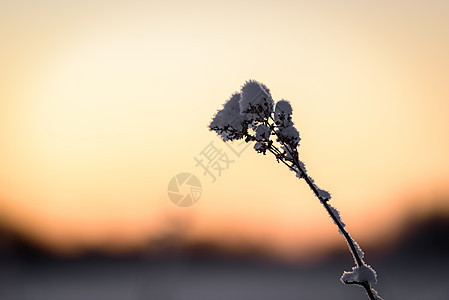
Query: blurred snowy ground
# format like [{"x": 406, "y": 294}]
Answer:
[
  {"x": 208, "y": 280},
  {"x": 418, "y": 269}
]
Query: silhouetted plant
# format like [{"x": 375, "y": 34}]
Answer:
[{"x": 251, "y": 115}]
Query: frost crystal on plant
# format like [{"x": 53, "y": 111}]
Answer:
[
  {"x": 323, "y": 194},
  {"x": 360, "y": 274},
  {"x": 228, "y": 122},
  {"x": 282, "y": 113},
  {"x": 262, "y": 132},
  {"x": 337, "y": 215},
  {"x": 256, "y": 102},
  {"x": 359, "y": 250},
  {"x": 289, "y": 135}
]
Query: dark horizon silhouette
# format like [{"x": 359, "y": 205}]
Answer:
[{"x": 415, "y": 267}]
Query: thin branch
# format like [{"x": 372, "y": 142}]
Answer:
[{"x": 289, "y": 156}]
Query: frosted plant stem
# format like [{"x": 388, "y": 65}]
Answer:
[
  {"x": 352, "y": 247},
  {"x": 251, "y": 115},
  {"x": 348, "y": 238},
  {"x": 357, "y": 259}
]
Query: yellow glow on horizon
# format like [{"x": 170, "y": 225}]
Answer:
[{"x": 98, "y": 114}]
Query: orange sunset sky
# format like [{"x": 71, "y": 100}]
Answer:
[{"x": 103, "y": 102}]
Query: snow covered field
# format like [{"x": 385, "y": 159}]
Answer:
[
  {"x": 177, "y": 279},
  {"x": 417, "y": 269}
]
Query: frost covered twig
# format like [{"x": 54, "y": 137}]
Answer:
[{"x": 252, "y": 115}]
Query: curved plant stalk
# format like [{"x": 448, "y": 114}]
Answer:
[
  {"x": 353, "y": 247},
  {"x": 333, "y": 213},
  {"x": 250, "y": 115}
]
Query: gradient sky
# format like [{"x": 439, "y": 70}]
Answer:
[{"x": 102, "y": 102}]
